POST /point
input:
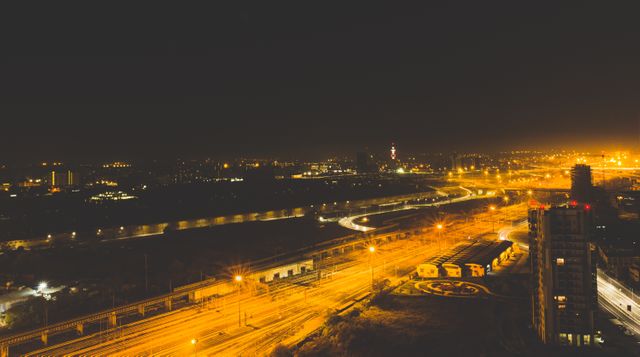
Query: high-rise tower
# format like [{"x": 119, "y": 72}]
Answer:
[
  {"x": 581, "y": 186},
  {"x": 564, "y": 288}
]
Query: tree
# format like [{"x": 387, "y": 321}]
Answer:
[{"x": 281, "y": 351}]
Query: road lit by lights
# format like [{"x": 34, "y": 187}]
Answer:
[{"x": 616, "y": 299}]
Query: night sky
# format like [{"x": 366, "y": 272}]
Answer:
[{"x": 313, "y": 79}]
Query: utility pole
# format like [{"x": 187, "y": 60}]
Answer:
[
  {"x": 146, "y": 275},
  {"x": 603, "y": 178},
  {"x": 239, "y": 315},
  {"x": 46, "y": 314},
  {"x": 372, "y": 250}
]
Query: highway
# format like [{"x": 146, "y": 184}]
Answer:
[
  {"x": 290, "y": 311},
  {"x": 348, "y": 222},
  {"x": 615, "y": 298}
]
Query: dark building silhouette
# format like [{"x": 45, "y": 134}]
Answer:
[
  {"x": 564, "y": 288},
  {"x": 456, "y": 161},
  {"x": 259, "y": 173},
  {"x": 364, "y": 164},
  {"x": 581, "y": 186}
]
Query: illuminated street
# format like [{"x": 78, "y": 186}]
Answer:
[
  {"x": 288, "y": 313},
  {"x": 617, "y": 300}
]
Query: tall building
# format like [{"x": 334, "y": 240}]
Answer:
[
  {"x": 456, "y": 162},
  {"x": 564, "y": 290},
  {"x": 62, "y": 179},
  {"x": 363, "y": 164},
  {"x": 581, "y": 186}
]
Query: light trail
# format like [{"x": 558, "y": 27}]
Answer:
[
  {"x": 347, "y": 222},
  {"x": 616, "y": 299}
]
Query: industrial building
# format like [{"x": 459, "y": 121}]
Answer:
[
  {"x": 474, "y": 259},
  {"x": 564, "y": 290},
  {"x": 263, "y": 274},
  {"x": 283, "y": 271}
]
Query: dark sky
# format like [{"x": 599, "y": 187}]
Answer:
[{"x": 316, "y": 78}]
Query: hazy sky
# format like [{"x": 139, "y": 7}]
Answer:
[{"x": 316, "y": 78}]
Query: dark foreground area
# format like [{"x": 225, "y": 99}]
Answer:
[
  {"x": 395, "y": 325},
  {"x": 425, "y": 326}
]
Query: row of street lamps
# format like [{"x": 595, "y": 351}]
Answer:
[{"x": 238, "y": 279}]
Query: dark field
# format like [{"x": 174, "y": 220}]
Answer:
[{"x": 434, "y": 326}]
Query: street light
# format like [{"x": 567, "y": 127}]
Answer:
[
  {"x": 372, "y": 250},
  {"x": 439, "y": 227},
  {"x": 492, "y": 208},
  {"x": 506, "y": 201},
  {"x": 238, "y": 279},
  {"x": 194, "y": 342},
  {"x": 42, "y": 286}
]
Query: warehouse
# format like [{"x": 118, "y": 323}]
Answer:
[
  {"x": 473, "y": 259},
  {"x": 487, "y": 259},
  {"x": 435, "y": 267},
  {"x": 283, "y": 271}
]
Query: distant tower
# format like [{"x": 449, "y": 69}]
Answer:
[
  {"x": 362, "y": 162},
  {"x": 581, "y": 187},
  {"x": 393, "y": 151}
]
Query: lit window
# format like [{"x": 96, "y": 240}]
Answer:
[
  {"x": 587, "y": 340},
  {"x": 560, "y": 261},
  {"x": 561, "y": 298},
  {"x": 563, "y": 338}
]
